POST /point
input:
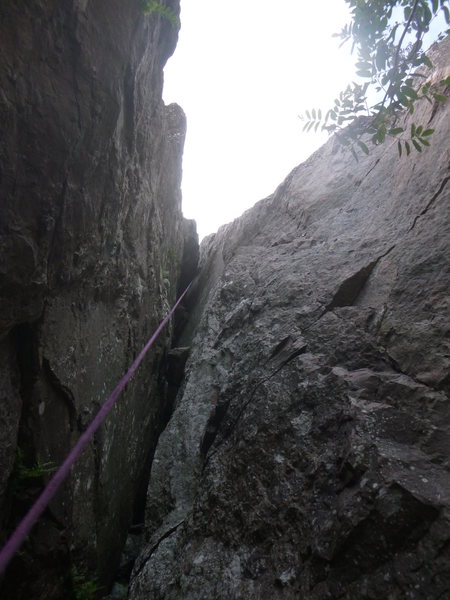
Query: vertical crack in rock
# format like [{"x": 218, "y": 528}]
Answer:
[
  {"x": 63, "y": 392},
  {"x": 219, "y": 414},
  {"x": 57, "y": 228},
  {"x": 431, "y": 202},
  {"x": 142, "y": 563},
  {"x": 372, "y": 167}
]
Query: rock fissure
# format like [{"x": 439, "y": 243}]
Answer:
[
  {"x": 395, "y": 365},
  {"x": 57, "y": 224},
  {"x": 148, "y": 553},
  {"x": 431, "y": 202},
  {"x": 220, "y": 412},
  {"x": 372, "y": 167},
  {"x": 63, "y": 392}
]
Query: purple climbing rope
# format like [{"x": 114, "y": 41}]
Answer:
[{"x": 52, "y": 487}]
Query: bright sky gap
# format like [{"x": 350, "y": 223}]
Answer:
[{"x": 243, "y": 71}]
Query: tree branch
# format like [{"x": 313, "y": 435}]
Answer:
[{"x": 397, "y": 53}]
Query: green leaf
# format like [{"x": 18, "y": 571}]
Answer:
[
  {"x": 404, "y": 100},
  {"x": 396, "y": 131},
  {"x": 363, "y": 146},
  {"x": 410, "y": 92},
  {"x": 364, "y": 73},
  {"x": 424, "y": 142},
  {"x": 381, "y": 57},
  {"x": 427, "y": 132},
  {"x": 440, "y": 97},
  {"x": 427, "y": 16},
  {"x": 399, "y": 148},
  {"x": 419, "y": 131},
  {"x": 413, "y": 130},
  {"x": 408, "y": 149},
  {"x": 427, "y": 61},
  {"x": 393, "y": 32},
  {"x": 417, "y": 146}
]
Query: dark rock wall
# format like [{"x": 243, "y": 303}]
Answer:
[
  {"x": 91, "y": 246},
  {"x": 308, "y": 455}
]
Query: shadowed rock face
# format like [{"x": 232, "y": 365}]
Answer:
[
  {"x": 91, "y": 246},
  {"x": 308, "y": 454}
]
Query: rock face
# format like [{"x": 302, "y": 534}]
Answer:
[
  {"x": 308, "y": 453},
  {"x": 91, "y": 247}
]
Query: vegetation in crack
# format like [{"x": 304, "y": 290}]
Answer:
[
  {"x": 389, "y": 39},
  {"x": 23, "y": 473},
  {"x": 155, "y": 7},
  {"x": 83, "y": 588}
]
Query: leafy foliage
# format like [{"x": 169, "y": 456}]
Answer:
[
  {"x": 389, "y": 56},
  {"x": 23, "y": 473},
  {"x": 83, "y": 589},
  {"x": 155, "y": 7}
]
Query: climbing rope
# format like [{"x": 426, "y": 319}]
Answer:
[{"x": 25, "y": 526}]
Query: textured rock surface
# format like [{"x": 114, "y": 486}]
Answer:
[
  {"x": 91, "y": 246},
  {"x": 308, "y": 454}
]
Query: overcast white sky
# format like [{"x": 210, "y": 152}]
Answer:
[{"x": 243, "y": 71}]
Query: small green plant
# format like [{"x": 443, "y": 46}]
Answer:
[
  {"x": 155, "y": 7},
  {"x": 172, "y": 263},
  {"x": 83, "y": 588},
  {"x": 171, "y": 255},
  {"x": 39, "y": 469}
]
